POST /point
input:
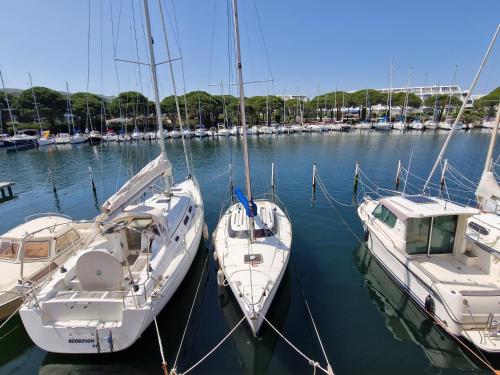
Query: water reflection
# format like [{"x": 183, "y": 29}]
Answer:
[
  {"x": 405, "y": 320},
  {"x": 253, "y": 353}
]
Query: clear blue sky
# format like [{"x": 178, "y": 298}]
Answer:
[{"x": 346, "y": 43}]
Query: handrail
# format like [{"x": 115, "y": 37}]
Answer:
[{"x": 41, "y": 214}]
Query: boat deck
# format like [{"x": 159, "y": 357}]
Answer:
[{"x": 454, "y": 274}]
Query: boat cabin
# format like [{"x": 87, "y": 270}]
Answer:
[
  {"x": 40, "y": 239},
  {"x": 424, "y": 225}
]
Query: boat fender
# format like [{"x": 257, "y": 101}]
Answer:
[
  {"x": 367, "y": 235},
  {"x": 63, "y": 269},
  {"x": 220, "y": 278},
  {"x": 429, "y": 305},
  {"x": 216, "y": 257},
  {"x": 205, "y": 231}
]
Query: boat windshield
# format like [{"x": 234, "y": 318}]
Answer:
[
  {"x": 258, "y": 232},
  {"x": 431, "y": 235},
  {"x": 8, "y": 249}
]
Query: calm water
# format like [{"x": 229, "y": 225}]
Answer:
[{"x": 368, "y": 326}]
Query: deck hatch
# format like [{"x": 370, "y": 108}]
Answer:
[
  {"x": 253, "y": 258},
  {"x": 419, "y": 199}
]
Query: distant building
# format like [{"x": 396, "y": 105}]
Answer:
[
  {"x": 424, "y": 92},
  {"x": 299, "y": 97}
]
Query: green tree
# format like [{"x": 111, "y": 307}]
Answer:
[{"x": 51, "y": 105}]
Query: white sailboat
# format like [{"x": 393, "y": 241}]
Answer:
[
  {"x": 252, "y": 239},
  {"x": 77, "y": 137},
  {"x": 106, "y": 295},
  {"x": 45, "y": 137}
]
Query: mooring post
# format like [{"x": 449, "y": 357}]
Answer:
[
  {"x": 356, "y": 179},
  {"x": 398, "y": 173},
  {"x": 3, "y": 193},
  {"x": 445, "y": 168},
  {"x": 314, "y": 178},
  {"x": 9, "y": 189},
  {"x": 92, "y": 181}
]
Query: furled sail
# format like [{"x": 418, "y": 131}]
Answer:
[
  {"x": 156, "y": 168},
  {"x": 488, "y": 192}
]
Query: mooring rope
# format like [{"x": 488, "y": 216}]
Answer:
[
  {"x": 212, "y": 350},
  {"x": 174, "y": 369},
  {"x": 313, "y": 363}
]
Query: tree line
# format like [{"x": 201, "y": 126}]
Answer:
[{"x": 133, "y": 109}]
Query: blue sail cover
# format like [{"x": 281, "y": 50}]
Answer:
[{"x": 250, "y": 207}]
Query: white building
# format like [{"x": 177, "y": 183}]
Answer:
[
  {"x": 302, "y": 98},
  {"x": 424, "y": 92}
]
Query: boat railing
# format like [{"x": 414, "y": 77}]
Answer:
[{"x": 35, "y": 216}]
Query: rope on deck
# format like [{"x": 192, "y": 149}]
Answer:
[{"x": 163, "y": 361}]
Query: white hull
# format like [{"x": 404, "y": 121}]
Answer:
[
  {"x": 108, "y": 321},
  {"x": 253, "y": 271},
  {"x": 46, "y": 141},
  {"x": 448, "y": 305}
]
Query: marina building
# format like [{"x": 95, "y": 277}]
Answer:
[{"x": 424, "y": 92}]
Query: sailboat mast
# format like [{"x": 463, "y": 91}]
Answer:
[
  {"x": 71, "y": 123},
  {"x": 457, "y": 119},
  {"x": 246, "y": 159},
  {"x": 155, "y": 78},
  {"x": 36, "y": 104},
  {"x": 390, "y": 93},
  {"x": 8, "y": 103},
  {"x": 174, "y": 87},
  {"x": 407, "y": 96}
]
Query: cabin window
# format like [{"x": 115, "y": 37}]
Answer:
[
  {"x": 66, "y": 241},
  {"x": 417, "y": 235},
  {"x": 190, "y": 209},
  {"x": 443, "y": 234},
  {"x": 36, "y": 249},
  {"x": 384, "y": 215},
  {"x": 8, "y": 249},
  {"x": 478, "y": 228},
  {"x": 186, "y": 219}
]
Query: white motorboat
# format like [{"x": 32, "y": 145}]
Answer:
[
  {"x": 110, "y": 136},
  {"x": 165, "y": 135},
  {"x": 264, "y": 129},
  {"x": 108, "y": 293},
  {"x": 62, "y": 138},
  {"x": 336, "y": 126},
  {"x": 200, "y": 131},
  {"x": 383, "y": 124},
  {"x": 445, "y": 125},
  {"x": 234, "y": 131},
  {"x": 421, "y": 243},
  {"x": 187, "y": 133},
  {"x": 430, "y": 125},
  {"x": 212, "y": 132},
  {"x": 176, "y": 133},
  {"x": 27, "y": 138},
  {"x": 416, "y": 125},
  {"x": 46, "y": 139},
  {"x": 78, "y": 138},
  {"x": 222, "y": 131},
  {"x": 137, "y": 135},
  {"x": 316, "y": 128},
  {"x": 399, "y": 125},
  {"x": 296, "y": 128},
  {"x": 253, "y": 238},
  {"x": 33, "y": 251}
]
